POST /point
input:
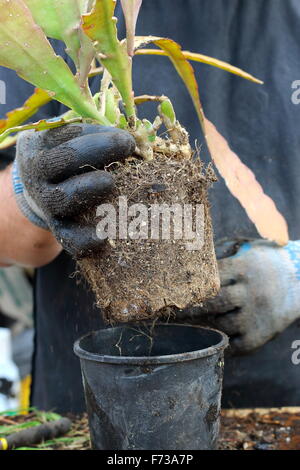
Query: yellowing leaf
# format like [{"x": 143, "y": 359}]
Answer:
[
  {"x": 30, "y": 107},
  {"x": 96, "y": 71},
  {"x": 239, "y": 179},
  {"x": 8, "y": 142},
  {"x": 242, "y": 183},
  {"x": 181, "y": 64},
  {"x": 144, "y": 98},
  {"x": 205, "y": 60},
  {"x": 38, "y": 126}
]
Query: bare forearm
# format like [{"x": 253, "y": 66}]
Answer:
[{"x": 21, "y": 242}]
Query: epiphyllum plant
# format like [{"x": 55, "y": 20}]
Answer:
[{"x": 88, "y": 29}]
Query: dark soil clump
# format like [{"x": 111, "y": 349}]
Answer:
[{"x": 136, "y": 279}]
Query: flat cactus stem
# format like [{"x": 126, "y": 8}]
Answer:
[
  {"x": 100, "y": 27},
  {"x": 32, "y": 57}
]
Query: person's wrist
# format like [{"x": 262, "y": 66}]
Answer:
[{"x": 23, "y": 242}]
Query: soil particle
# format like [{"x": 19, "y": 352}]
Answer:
[
  {"x": 212, "y": 415},
  {"x": 172, "y": 402},
  {"x": 260, "y": 430}
]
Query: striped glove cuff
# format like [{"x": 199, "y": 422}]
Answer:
[{"x": 25, "y": 203}]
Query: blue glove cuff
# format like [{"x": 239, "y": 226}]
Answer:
[
  {"x": 293, "y": 250},
  {"x": 22, "y": 202}
]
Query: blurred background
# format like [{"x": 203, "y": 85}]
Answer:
[{"x": 16, "y": 337}]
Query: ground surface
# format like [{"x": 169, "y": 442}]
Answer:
[{"x": 264, "y": 429}]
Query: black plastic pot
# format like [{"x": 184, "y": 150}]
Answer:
[{"x": 157, "y": 391}]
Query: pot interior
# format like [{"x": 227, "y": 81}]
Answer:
[{"x": 144, "y": 341}]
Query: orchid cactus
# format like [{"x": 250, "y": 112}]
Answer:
[{"x": 89, "y": 30}]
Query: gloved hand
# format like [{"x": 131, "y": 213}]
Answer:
[
  {"x": 58, "y": 175},
  {"x": 259, "y": 296}
]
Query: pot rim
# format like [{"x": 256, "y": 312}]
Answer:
[{"x": 145, "y": 360}]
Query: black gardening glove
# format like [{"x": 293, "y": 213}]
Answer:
[{"x": 59, "y": 175}]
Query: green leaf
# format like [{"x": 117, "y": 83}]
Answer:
[
  {"x": 86, "y": 56},
  {"x": 28, "y": 448},
  {"x": 18, "y": 411},
  {"x": 38, "y": 126},
  {"x": 100, "y": 27},
  {"x": 131, "y": 10},
  {"x": 64, "y": 440},
  {"x": 17, "y": 116},
  {"x": 167, "y": 112},
  {"x": 57, "y": 17},
  {"x": 30, "y": 54},
  {"x": 48, "y": 416},
  {"x": 122, "y": 122},
  {"x": 61, "y": 19},
  {"x": 7, "y": 430},
  {"x": 111, "y": 106}
]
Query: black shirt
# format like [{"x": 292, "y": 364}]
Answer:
[{"x": 261, "y": 125}]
